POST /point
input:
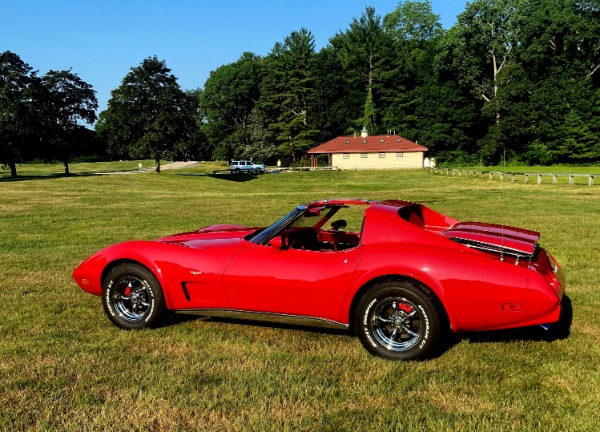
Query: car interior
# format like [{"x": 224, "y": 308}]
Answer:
[{"x": 315, "y": 237}]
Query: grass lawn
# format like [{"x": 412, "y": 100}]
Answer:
[{"x": 63, "y": 366}]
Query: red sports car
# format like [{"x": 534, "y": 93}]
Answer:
[{"x": 397, "y": 273}]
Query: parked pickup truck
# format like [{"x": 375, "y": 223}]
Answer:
[{"x": 246, "y": 166}]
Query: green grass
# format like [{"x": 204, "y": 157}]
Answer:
[
  {"x": 77, "y": 168},
  {"x": 63, "y": 366}
]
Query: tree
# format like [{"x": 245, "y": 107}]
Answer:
[
  {"x": 147, "y": 114},
  {"x": 336, "y": 102},
  {"x": 413, "y": 22},
  {"x": 227, "y": 101},
  {"x": 67, "y": 101},
  {"x": 18, "y": 85},
  {"x": 288, "y": 94},
  {"x": 559, "y": 52},
  {"x": 415, "y": 31},
  {"x": 479, "y": 50},
  {"x": 364, "y": 51},
  {"x": 194, "y": 144}
]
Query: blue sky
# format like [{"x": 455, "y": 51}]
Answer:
[{"x": 102, "y": 40}]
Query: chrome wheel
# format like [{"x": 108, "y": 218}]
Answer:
[
  {"x": 396, "y": 323},
  {"x": 132, "y": 298}
]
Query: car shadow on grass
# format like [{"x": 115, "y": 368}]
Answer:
[
  {"x": 557, "y": 331},
  {"x": 181, "y": 318},
  {"x": 222, "y": 176},
  {"x": 234, "y": 177}
]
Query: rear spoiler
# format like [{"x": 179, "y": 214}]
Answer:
[{"x": 500, "y": 239}]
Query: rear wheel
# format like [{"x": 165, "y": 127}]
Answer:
[
  {"x": 398, "y": 320},
  {"x": 132, "y": 297}
]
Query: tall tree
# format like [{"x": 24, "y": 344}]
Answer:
[
  {"x": 288, "y": 93},
  {"x": 560, "y": 56},
  {"x": 17, "y": 89},
  {"x": 413, "y": 23},
  {"x": 194, "y": 144},
  {"x": 365, "y": 53},
  {"x": 415, "y": 31},
  {"x": 227, "y": 101},
  {"x": 147, "y": 114},
  {"x": 479, "y": 50},
  {"x": 336, "y": 102},
  {"x": 68, "y": 100}
]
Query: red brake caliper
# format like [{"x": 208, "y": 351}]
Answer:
[{"x": 404, "y": 308}]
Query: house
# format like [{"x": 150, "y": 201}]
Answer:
[{"x": 370, "y": 152}]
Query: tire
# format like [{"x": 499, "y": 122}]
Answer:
[
  {"x": 132, "y": 297},
  {"x": 562, "y": 328},
  {"x": 398, "y": 320}
]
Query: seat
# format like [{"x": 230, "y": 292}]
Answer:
[{"x": 305, "y": 238}]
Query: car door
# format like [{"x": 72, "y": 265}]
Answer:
[{"x": 291, "y": 281}]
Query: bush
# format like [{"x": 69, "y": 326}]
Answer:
[{"x": 452, "y": 158}]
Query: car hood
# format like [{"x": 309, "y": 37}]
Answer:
[
  {"x": 495, "y": 238},
  {"x": 211, "y": 235}
]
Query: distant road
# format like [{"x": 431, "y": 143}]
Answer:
[{"x": 172, "y": 165}]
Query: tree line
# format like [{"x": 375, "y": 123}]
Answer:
[
  {"x": 41, "y": 117},
  {"x": 514, "y": 79}
]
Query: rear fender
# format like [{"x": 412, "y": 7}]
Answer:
[{"x": 384, "y": 263}]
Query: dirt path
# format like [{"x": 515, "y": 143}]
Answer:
[
  {"x": 178, "y": 165},
  {"x": 168, "y": 166}
]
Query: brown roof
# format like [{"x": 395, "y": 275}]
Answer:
[{"x": 370, "y": 144}]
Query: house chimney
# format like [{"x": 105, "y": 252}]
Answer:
[{"x": 364, "y": 133}]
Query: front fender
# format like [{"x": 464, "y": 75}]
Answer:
[
  {"x": 157, "y": 257},
  {"x": 88, "y": 275}
]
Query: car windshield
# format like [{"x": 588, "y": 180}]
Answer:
[
  {"x": 263, "y": 236},
  {"x": 316, "y": 217}
]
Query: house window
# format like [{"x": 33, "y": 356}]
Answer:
[
  {"x": 346, "y": 155},
  {"x": 347, "y": 142},
  {"x": 399, "y": 154},
  {"x": 381, "y": 155},
  {"x": 364, "y": 141},
  {"x": 363, "y": 155}
]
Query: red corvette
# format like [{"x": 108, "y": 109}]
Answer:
[{"x": 397, "y": 273}]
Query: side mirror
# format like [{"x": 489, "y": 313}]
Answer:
[{"x": 338, "y": 224}]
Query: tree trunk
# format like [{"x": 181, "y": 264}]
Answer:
[
  {"x": 13, "y": 169},
  {"x": 158, "y": 164},
  {"x": 66, "y": 162}
]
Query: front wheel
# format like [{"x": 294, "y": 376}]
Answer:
[
  {"x": 398, "y": 320},
  {"x": 132, "y": 297}
]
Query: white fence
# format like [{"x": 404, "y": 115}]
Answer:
[{"x": 525, "y": 176}]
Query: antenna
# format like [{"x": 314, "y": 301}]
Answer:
[{"x": 503, "y": 201}]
